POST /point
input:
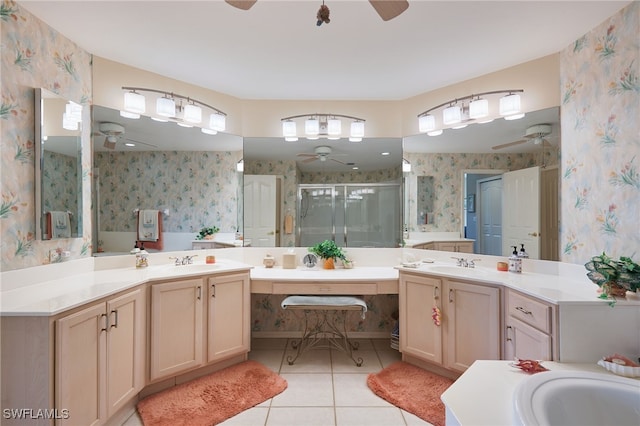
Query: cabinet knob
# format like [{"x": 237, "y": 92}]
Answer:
[
  {"x": 115, "y": 323},
  {"x": 523, "y": 310},
  {"x": 507, "y": 333},
  {"x": 533, "y": 234}
]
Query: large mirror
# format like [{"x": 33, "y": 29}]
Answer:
[
  {"x": 190, "y": 178},
  {"x": 323, "y": 189},
  {"x": 463, "y": 165},
  {"x": 58, "y": 177}
]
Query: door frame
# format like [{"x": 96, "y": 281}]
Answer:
[{"x": 464, "y": 191}]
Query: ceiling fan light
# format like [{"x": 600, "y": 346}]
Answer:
[
  {"x": 334, "y": 128},
  {"x": 127, "y": 114},
  {"x": 452, "y": 115},
  {"x": 166, "y": 107},
  {"x": 289, "y": 129},
  {"x": 134, "y": 102},
  {"x": 510, "y": 104},
  {"x": 218, "y": 122},
  {"x": 435, "y": 132},
  {"x": 426, "y": 123},
  {"x": 208, "y": 131},
  {"x": 312, "y": 127},
  {"x": 357, "y": 130},
  {"x": 478, "y": 109},
  {"x": 192, "y": 113},
  {"x": 514, "y": 116},
  {"x": 352, "y": 139}
]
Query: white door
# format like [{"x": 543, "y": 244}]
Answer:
[
  {"x": 490, "y": 215},
  {"x": 521, "y": 211},
  {"x": 260, "y": 210}
]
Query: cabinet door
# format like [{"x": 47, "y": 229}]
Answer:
[
  {"x": 472, "y": 324},
  {"x": 229, "y": 316},
  {"x": 176, "y": 327},
  {"x": 419, "y": 335},
  {"x": 525, "y": 342},
  {"x": 80, "y": 379},
  {"x": 125, "y": 349},
  {"x": 446, "y": 246}
]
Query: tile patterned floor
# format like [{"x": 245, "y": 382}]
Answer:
[{"x": 325, "y": 388}]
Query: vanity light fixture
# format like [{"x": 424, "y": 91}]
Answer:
[
  {"x": 72, "y": 116},
  {"x": 457, "y": 114},
  {"x": 322, "y": 125},
  {"x": 169, "y": 107}
]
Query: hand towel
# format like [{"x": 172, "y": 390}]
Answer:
[
  {"x": 288, "y": 224},
  {"x": 320, "y": 301},
  {"x": 146, "y": 231},
  {"x": 60, "y": 225}
]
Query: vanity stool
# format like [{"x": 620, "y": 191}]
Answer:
[{"x": 322, "y": 317}]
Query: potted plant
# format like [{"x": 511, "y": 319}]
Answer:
[
  {"x": 207, "y": 233},
  {"x": 329, "y": 252},
  {"x": 614, "y": 277}
]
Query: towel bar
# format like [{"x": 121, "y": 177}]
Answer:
[{"x": 322, "y": 316}]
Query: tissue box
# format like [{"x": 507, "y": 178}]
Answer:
[{"x": 289, "y": 261}]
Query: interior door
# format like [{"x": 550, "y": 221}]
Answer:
[
  {"x": 490, "y": 215},
  {"x": 260, "y": 210},
  {"x": 521, "y": 211}
]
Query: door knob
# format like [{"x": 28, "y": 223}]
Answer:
[
  {"x": 533, "y": 234},
  {"x": 271, "y": 233}
]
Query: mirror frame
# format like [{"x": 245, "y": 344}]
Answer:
[{"x": 40, "y": 95}]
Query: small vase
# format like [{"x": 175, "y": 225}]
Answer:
[
  {"x": 209, "y": 237},
  {"x": 329, "y": 264},
  {"x": 614, "y": 289}
]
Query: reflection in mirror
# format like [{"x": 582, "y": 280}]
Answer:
[
  {"x": 189, "y": 178},
  {"x": 58, "y": 167},
  {"x": 424, "y": 199},
  {"x": 352, "y": 191}
]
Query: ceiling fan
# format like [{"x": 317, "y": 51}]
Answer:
[
  {"x": 322, "y": 153},
  {"x": 536, "y": 133},
  {"x": 113, "y": 132},
  {"x": 387, "y": 9}
]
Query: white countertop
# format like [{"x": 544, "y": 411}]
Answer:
[{"x": 483, "y": 395}]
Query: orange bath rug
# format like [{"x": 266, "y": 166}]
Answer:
[
  {"x": 212, "y": 399},
  {"x": 413, "y": 389}
]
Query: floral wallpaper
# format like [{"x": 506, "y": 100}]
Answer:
[
  {"x": 34, "y": 55},
  {"x": 446, "y": 170},
  {"x": 199, "y": 188},
  {"x": 600, "y": 187},
  {"x": 62, "y": 171},
  {"x": 375, "y": 176}
]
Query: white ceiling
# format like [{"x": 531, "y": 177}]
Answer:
[{"x": 276, "y": 51}]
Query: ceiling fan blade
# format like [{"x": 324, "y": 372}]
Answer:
[
  {"x": 505, "y": 145},
  {"x": 241, "y": 4},
  {"x": 338, "y": 161},
  {"x": 389, "y": 9},
  {"x": 309, "y": 160},
  {"x": 306, "y": 155},
  {"x": 109, "y": 144}
]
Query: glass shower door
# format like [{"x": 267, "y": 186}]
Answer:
[
  {"x": 373, "y": 215},
  {"x": 316, "y": 211}
]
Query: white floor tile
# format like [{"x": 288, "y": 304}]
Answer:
[
  {"x": 307, "y": 390},
  {"x": 270, "y": 358},
  {"x": 296, "y": 416},
  {"x": 371, "y": 416},
  {"x": 351, "y": 390},
  {"x": 312, "y": 361},
  {"x": 251, "y": 417},
  {"x": 342, "y": 362},
  {"x": 134, "y": 420},
  {"x": 413, "y": 420}
]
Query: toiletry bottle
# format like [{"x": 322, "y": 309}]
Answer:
[
  {"x": 142, "y": 257},
  {"x": 515, "y": 262},
  {"x": 522, "y": 253},
  {"x": 405, "y": 234}
]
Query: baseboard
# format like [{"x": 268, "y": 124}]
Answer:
[
  {"x": 296, "y": 334},
  {"x": 430, "y": 367}
]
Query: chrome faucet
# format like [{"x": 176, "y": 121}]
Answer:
[
  {"x": 461, "y": 261},
  {"x": 186, "y": 260}
]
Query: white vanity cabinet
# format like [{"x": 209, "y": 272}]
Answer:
[
  {"x": 177, "y": 321},
  {"x": 454, "y": 246},
  {"x": 469, "y": 326},
  {"x": 99, "y": 358},
  {"x": 529, "y": 328},
  {"x": 229, "y": 316}
]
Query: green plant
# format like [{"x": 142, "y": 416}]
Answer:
[
  {"x": 207, "y": 230},
  {"x": 328, "y": 250},
  {"x": 606, "y": 272}
]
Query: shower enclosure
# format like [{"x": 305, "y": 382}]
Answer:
[{"x": 353, "y": 215}]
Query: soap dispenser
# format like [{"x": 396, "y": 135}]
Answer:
[
  {"x": 522, "y": 253},
  {"x": 515, "y": 262}
]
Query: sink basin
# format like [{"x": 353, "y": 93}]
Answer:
[
  {"x": 194, "y": 267},
  {"x": 577, "y": 398}
]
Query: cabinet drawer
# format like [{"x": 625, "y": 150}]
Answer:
[
  {"x": 324, "y": 288},
  {"x": 529, "y": 311}
]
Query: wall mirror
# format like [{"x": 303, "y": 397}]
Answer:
[
  {"x": 457, "y": 158},
  {"x": 320, "y": 189},
  {"x": 143, "y": 164},
  {"x": 58, "y": 167},
  {"x": 424, "y": 199}
]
